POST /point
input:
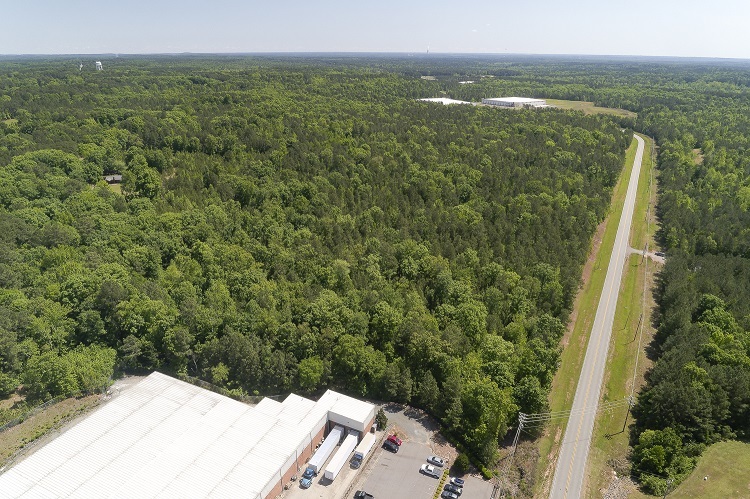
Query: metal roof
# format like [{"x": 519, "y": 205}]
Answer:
[
  {"x": 166, "y": 438},
  {"x": 520, "y": 100}
]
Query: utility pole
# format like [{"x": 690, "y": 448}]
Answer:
[
  {"x": 669, "y": 483},
  {"x": 638, "y": 328},
  {"x": 627, "y": 413},
  {"x": 521, "y": 421}
]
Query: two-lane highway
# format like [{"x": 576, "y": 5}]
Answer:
[{"x": 571, "y": 462}]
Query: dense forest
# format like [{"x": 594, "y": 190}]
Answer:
[
  {"x": 296, "y": 223},
  {"x": 287, "y": 225}
]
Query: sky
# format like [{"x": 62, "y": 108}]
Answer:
[{"x": 683, "y": 28}]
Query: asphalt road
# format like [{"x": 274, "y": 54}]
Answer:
[{"x": 571, "y": 461}]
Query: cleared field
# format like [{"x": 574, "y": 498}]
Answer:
[
  {"x": 589, "y": 107},
  {"x": 727, "y": 466},
  {"x": 576, "y": 340}
]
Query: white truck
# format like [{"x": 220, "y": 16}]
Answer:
[{"x": 362, "y": 449}]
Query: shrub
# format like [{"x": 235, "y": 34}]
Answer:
[
  {"x": 381, "y": 419},
  {"x": 461, "y": 465}
]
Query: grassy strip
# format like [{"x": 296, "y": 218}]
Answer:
[
  {"x": 642, "y": 232},
  {"x": 571, "y": 361},
  {"x": 14, "y": 439},
  {"x": 609, "y": 445},
  {"x": 726, "y": 465},
  {"x": 443, "y": 480},
  {"x": 589, "y": 108}
]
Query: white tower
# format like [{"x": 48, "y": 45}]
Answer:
[{"x": 98, "y": 65}]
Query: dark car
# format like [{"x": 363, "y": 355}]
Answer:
[
  {"x": 459, "y": 482},
  {"x": 448, "y": 495},
  {"x": 659, "y": 253},
  {"x": 454, "y": 488},
  {"x": 361, "y": 494},
  {"x": 388, "y": 445}
]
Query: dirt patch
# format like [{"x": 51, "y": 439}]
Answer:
[
  {"x": 620, "y": 488},
  {"x": 11, "y": 401},
  {"x": 697, "y": 156}
]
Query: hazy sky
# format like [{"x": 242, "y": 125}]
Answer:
[{"x": 691, "y": 28}]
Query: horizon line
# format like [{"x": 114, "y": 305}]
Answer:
[{"x": 359, "y": 53}]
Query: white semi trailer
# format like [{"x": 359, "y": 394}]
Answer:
[
  {"x": 342, "y": 456},
  {"x": 324, "y": 451}
]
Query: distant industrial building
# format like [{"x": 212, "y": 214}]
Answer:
[
  {"x": 444, "y": 100},
  {"x": 515, "y": 102},
  {"x": 166, "y": 438},
  {"x": 98, "y": 65}
]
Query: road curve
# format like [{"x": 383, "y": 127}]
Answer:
[{"x": 571, "y": 461}]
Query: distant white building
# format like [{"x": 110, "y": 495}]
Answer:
[
  {"x": 466, "y": 82},
  {"x": 98, "y": 65},
  {"x": 444, "y": 100},
  {"x": 515, "y": 102}
]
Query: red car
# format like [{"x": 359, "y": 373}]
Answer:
[{"x": 395, "y": 440}]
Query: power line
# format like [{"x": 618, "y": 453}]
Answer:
[{"x": 549, "y": 416}]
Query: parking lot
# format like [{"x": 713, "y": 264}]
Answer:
[
  {"x": 397, "y": 476},
  {"x": 386, "y": 475}
]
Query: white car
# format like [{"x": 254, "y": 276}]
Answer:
[{"x": 429, "y": 471}]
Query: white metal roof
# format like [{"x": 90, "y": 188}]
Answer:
[
  {"x": 519, "y": 100},
  {"x": 166, "y": 438}
]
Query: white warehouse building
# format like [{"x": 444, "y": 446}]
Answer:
[
  {"x": 163, "y": 437},
  {"x": 514, "y": 102}
]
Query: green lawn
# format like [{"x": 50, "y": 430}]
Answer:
[
  {"x": 589, "y": 107},
  {"x": 727, "y": 466},
  {"x": 566, "y": 379}
]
